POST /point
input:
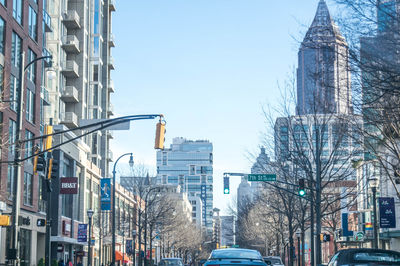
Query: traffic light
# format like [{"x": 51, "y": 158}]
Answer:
[
  {"x": 53, "y": 169},
  {"x": 39, "y": 164},
  {"x": 160, "y": 135},
  {"x": 226, "y": 185},
  {"x": 302, "y": 190},
  {"x": 5, "y": 220}
]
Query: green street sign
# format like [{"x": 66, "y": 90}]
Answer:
[
  {"x": 235, "y": 246},
  {"x": 358, "y": 236},
  {"x": 261, "y": 177}
]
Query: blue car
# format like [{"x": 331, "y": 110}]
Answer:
[{"x": 235, "y": 256}]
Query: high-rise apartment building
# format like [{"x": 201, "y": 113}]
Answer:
[
  {"x": 190, "y": 164},
  {"x": 323, "y": 74},
  {"x": 80, "y": 44}
]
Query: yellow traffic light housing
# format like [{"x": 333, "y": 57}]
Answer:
[
  {"x": 160, "y": 135},
  {"x": 4, "y": 220}
]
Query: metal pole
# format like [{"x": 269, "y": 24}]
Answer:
[
  {"x": 48, "y": 223},
  {"x": 312, "y": 244},
  {"x": 318, "y": 199},
  {"x": 375, "y": 218},
  {"x": 113, "y": 209},
  {"x": 17, "y": 164},
  {"x": 89, "y": 242},
  {"x": 298, "y": 251}
]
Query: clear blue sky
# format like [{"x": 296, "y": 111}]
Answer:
[{"x": 208, "y": 66}]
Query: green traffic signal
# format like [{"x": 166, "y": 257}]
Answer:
[
  {"x": 226, "y": 191},
  {"x": 302, "y": 193},
  {"x": 302, "y": 190}
]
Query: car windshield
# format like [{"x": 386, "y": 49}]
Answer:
[
  {"x": 376, "y": 256},
  {"x": 272, "y": 261},
  {"x": 171, "y": 262},
  {"x": 235, "y": 254}
]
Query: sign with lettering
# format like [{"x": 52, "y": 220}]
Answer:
[
  {"x": 203, "y": 197},
  {"x": 387, "y": 213},
  {"x": 69, "y": 185},
  {"x": 105, "y": 196},
  {"x": 82, "y": 232}
]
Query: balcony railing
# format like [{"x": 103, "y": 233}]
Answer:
[
  {"x": 71, "y": 19},
  {"x": 111, "y": 62},
  {"x": 111, "y": 40},
  {"x": 70, "y": 69},
  {"x": 70, "y": 43},
  {"x": 70, "y": 119},
  {"x": 70, "y": 95},
  {"x": 112, "y": 5},
  {"x": 111, "y": 86},
  {"x": 47, "y": 21},
  {"x": 44, "y": 94},
  {"x": 110, "y": 109}
]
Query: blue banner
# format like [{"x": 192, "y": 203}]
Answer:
[
  {"x": 345, "y": 225},
  {"x": 387, "y": 213},
  {"x": 105, "y": 196},
  {"x": 82, "y": 232}
]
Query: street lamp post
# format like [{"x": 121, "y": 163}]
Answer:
[
  {"x": 134, "y": 246},
  {"x": 90, "y": 215},
  {"x": 113, "y": 203},
  {"x": 298, "y": 234},
  {"x": 13, "y": 251},
  {"x": 373, "y": 182}
]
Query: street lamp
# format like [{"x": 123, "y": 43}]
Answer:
[
  {"x": 13, "y": 251},
  {"x": 90, "y": 215},
  {"x": 134, "y": 246},
  {"x": 373, "y": 183},
  {"x": 298, "y": 234},
  {"x": 113, "y": 202}
]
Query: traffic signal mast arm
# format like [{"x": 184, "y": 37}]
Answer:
[{"x": 102, "y": 124}]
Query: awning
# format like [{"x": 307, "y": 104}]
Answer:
[{"x": 119, "y": 256}]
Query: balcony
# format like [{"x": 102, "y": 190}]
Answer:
[
  {"x": 110, "y": 156},
  {"x": 110, "y": 110},
  {"x": 70, "y": 119},
  {"x": 71, "y": 19},
  {"x": 110, "y": 134},
  {"x": 47, "y": 21},
  {"x": 70, "y": 69},
  {"x": 111, "y": 62},
  {"x": 111, "y": 86},
  {"x": 44, "y": 94},
  {"x": 70, "y": 44},
  {"x": 47, "y": 62},
  {"x": 70, "y": 95},
  {"x": 111, "y": 40},
  {"x": 111, "y": 5}
]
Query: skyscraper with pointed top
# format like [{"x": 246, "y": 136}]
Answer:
[{"x": 323, "y": 76}]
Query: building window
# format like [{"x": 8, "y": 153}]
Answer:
[
  {"x": 2, "y": 35},
  {"x": 31, "y": 71},
  {"x": 1, "y": 81},
  {"x": 41, "y": 201},
  {"x": 32, "y": 23},
  {"x": 164, "y": 158},
  {"x": 17, "y": 10},
  {"x": 12, "y": 134},
  {"x": 14, "y": 84},
  {"x": 164, "y": 179},
  {"x": 28, "y": 145},
  {"x": 16, "y": 50},
  {"x": 192, "y": 170},
  {"x": 203, "y": 179},
  {"x": 28, "y": 188},
  {"x": 25, "y": 247},
  {"x": 10, "y": 181},
  {"x": 30, "y": 106}
]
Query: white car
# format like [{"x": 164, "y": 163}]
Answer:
[{"x": 272, "y": 260}]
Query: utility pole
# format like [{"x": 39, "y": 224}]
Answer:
[
  {"x": 48, "y": 204},
  {"x": 318, "y": 197}
]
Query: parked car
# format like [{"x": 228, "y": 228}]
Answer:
[
  {"x": 235, "y": 256},
  {"x": 272, "y": 260},
  {"x": 365, "y": 256},
  {"x": 171, "y": 262}
]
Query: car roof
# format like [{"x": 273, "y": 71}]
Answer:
[
  {"x": 352, "y": 250},
  {"x": 272, "y": 257},
  {"x": 234, "y": 249}
]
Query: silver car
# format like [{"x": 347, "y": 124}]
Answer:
[{"x": 272, "y": 260}]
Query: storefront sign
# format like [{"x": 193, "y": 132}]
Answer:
[
  {"x": 82, "y": 232},
  {"x": 387, "y": 213},
  {"x": 203, "y": 197},
  {"x": 105, "y": 197},
  {"x": 69, "y": 185}
]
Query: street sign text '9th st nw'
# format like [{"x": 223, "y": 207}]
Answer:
[{"x": 261, "y": 177}]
